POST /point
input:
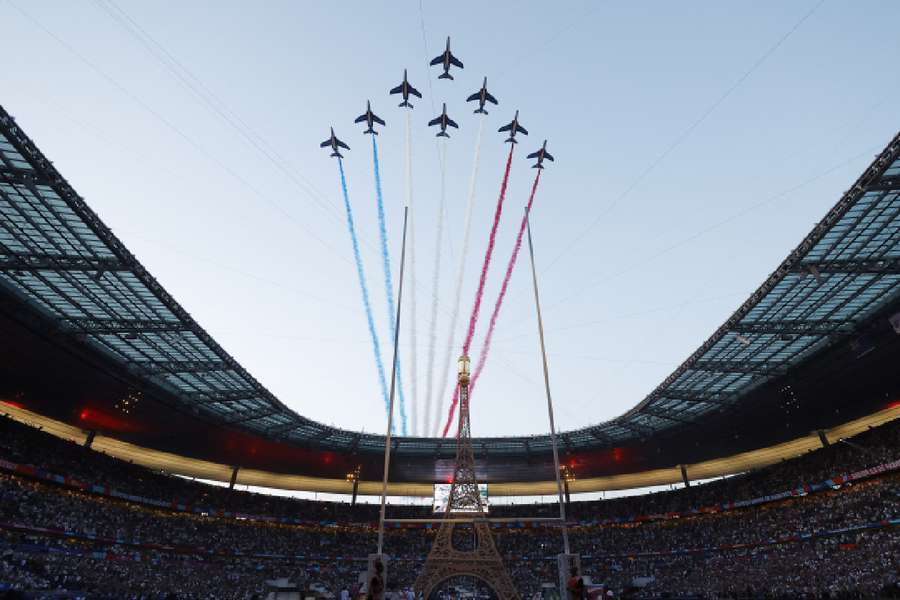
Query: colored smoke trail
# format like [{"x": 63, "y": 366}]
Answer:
[
  {"x": 435, "y": 280},
  {"x": 479, "y": 294},
  {"x": 386, "y": 260},
  {"x": 460, "y": 274},
  {"x": 364, "y": 288},
  {"x": 509, "y": 270},
  {"x": 411, "y": 223}
]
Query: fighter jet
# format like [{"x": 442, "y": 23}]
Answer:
[
  {"x": 370, "y": 119},
  {"x": 335, "y": 144},
  {"x": 513, "y": 128},
  {"x": 446, "y": 59},
  {"x": 482, "y": 96},
  {"x": 540, "y": 155},
  {"x": 406, "y": 89},
  {"x": 443, "y": 120}
]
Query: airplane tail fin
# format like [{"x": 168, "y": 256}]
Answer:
[
  {"x": 445, "y": 75},
  {"x": 442, "y": 134},
  {"x": 480, "y": 111},
  {"x": 537, "y": 166},
  {"x": 337, "y": 154},
  {"x": 405, "y": 103},
  {"x": 510, "y": 139},
  {"x": 370, "y": 130}
]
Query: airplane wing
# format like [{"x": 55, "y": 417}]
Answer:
[
  {"x": 343, "y": 145},
  {"x": 475, "y": 96},
  {"x": 489, "y": 98},
  {"x": 548, "y": 156},
  {"x": 325, "y": 144},
  {"x": 505, "y": 128},
  {"x": 397, "y": 90},
  {"x": 534, "y": 154},
  {"x": 455, "y": 61},
  {"x": 360, "y": 119},
  {"x": 437, "y": 60},
  {"x": 434, "y": 121},
  {"x": 414, "y": 92},
  {"x": 521, "y": 129},
  {"x": 452, "y": 123},
  {"x": 377, "y": 120}
]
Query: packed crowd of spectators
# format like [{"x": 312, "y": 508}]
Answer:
[{"x": 836, "y": 542}]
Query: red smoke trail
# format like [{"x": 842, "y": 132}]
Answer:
[
  {"x": 509, "y": 269},
  {"x": 479, "y": 294}
]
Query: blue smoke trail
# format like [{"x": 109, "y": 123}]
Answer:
[
  {"x": 388, "y": 279},
  {"x": 376, "y": 347}
]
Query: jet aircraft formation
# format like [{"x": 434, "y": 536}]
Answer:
[{"x": 446, "y": 60}]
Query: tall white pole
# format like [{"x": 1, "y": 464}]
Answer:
[
  {"x": 540, "y": 324},
  {"x": 387, "y": 436}
]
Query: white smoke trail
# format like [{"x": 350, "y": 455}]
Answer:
[
  {"x": 432, "y": 329},
  {"x": 412, "y": 283},
  {"x": 460, "y": 274}
]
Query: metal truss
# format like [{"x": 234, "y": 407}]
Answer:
[
  {"x": 118, "y": 326},
  {"x": 739, "y": 366},
  {"x": 247, "y": 416},
  {"x": 50, "y": 262},
  {"x": 887, "y": 266},
  {"x": 178, "y": 366},
  {"x": 689, "y": 395},
  {"x": 823, "y": 327},
  {"x": 221, "y": 397}
]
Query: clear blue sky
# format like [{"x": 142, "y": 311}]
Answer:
[{"x": 696, "y": 144}]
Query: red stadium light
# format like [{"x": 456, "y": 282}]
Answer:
[{"x": 98, "y": 420}]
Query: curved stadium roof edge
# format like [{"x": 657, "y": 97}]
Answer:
[
  {"x": 57, "y": 256},
  {"x": 173, "y": 463}
]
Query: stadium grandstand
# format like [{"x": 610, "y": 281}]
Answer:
[
  {"x": 797, "y": 392},
  {"x": 113, "y": 397}
]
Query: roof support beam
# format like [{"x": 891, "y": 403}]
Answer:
[
  {"x": 598, "y": 433},
  {"x": 737, "y": 366},
  {"x": 885, "y": 184},
  {"x": 692, "y": 396},
  {"x": 279, "y": 430},
  {"x": 114, "y": 326},
  {"x": 323, "y": 434},
  {"x": 12, "y": 174},
  {"x": 215, "y": 396},
  {"x": 659, "y": 414},
  {"x": 49, "y": 262},
  {"x": 798, "y": 327},
  {"x": 178, "y": 366},
  {"x": 641, "y": 430},
  {"x": 246, "y": 417},
  {"x": 888, "y": 266}
]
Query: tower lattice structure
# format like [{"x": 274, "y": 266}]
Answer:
[{"x": 464, "y": 503}]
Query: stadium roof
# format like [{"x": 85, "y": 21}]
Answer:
[{"x": 59, "y": 258}]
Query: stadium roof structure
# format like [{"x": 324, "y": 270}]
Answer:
[{"x": 58, "y": 259}]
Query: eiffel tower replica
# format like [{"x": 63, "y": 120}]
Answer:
[{"x": 464, "y": 503}]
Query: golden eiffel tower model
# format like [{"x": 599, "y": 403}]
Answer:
[{"x": 465, "y": 505}]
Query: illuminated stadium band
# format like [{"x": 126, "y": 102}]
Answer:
[{"x": 59, "y": 259}]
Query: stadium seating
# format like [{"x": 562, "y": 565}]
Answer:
[{"x": 822, "y": 525}]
